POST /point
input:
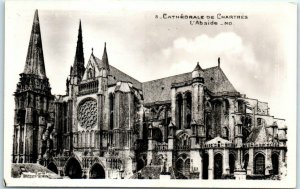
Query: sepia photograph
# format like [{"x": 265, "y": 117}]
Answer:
[{"x": 156, "y": 94}]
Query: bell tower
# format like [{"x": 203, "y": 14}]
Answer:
[{"x": 34, "y": 115}]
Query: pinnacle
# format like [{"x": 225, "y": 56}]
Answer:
[{"x": 198, "y": 67}]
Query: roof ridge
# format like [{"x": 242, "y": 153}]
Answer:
[
  {"x": 125, "y": 73},
  {"x": 179, "y": 74}
]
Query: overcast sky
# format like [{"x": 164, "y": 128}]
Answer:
[{"x": 257, "y": 54}]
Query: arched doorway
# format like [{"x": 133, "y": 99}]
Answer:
[
  {"x": 231, "y": 163},
  {"x": 179, "y": 165},
  {"x": 97, "y": 172},
  {"x": 52, "y": 167},
  {"x": 275, "y": 163},
  {"x": 205, "y": 166},
  {"x": 73, "y": 169},
  {"x": 187, "y": 165},
  {"x": 218, "y": 166},
  {"x": 140, "y": 164},
  {"x": 259, "y": 164}
]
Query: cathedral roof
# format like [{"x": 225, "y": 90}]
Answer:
[
  {"x": 35, "y": 57},
  {"x": 159, "y": 90},
  {"x": 117, "y": 75},
  {"x": 259, "y": 134}
]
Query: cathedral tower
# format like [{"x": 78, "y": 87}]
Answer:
[
  {"x": 77, "y": 70},
  {"x": 197, "y": 124},
  {"x": 33, "y": 105}
]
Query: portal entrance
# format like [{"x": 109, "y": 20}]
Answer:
[
  {"x": 231, "y": 163},
  {"x": 275, "y": 163},
  {"x": 205, "y": 166},
  {"x": 97, "y": 172},
  {"x": 73, "y": 169},
  {"x": 259, "y": 164},
  {"x": 218, "y": 166},
  {"x": 52, "y": 167},
  {"x": 140, "y": 164}
]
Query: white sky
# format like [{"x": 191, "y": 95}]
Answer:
[{"x": 254, "y": 52}]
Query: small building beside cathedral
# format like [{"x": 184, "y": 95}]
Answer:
[{"x": 195, "y": 125}]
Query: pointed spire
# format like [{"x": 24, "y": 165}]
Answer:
[
  {"x": 35, "y": 57},
  {"x": 78, "y": 66},
  {"x": 105, "y": 58},
  {"x": 198, "y": 67}
]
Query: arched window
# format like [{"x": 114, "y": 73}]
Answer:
[
  {"x": 188, "y": 112},
  {"x": 208, "y": 123},
  {"x": 259, "y": 164},
  {"x": 217, "y": 115},
  {"x": 259, "y": 121},
  {"x": 184, "y": 141},
  {"x": 83, "y": 139},
  {"x": 79, "y": 139},
  {"x": 87, "y": 139},
  {"x": 92, "y": 139},
  {"x": 111, "y": 111},
  {"x": 91, "y": 73},
  {"x": 240, "y": 106},
  {"x": 227, "y": 106},
  {"x": 225, "y": 133},
  {"x": 179, "y": 112}
]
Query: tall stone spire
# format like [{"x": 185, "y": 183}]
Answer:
[
  {"x": 35, "y": 57},
  {"x": 78, "y": 66},
  {"x": 105, "y": 63}
]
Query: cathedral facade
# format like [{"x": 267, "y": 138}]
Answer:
[{"x": 194, "y": 125}]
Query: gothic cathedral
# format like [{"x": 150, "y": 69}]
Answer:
[{"x": 194, "y": 125}]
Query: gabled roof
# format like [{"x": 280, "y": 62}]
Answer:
[
  {"x": 218, "y": 139},
  {"x": 116, "y": 75},
  {"x": 160, "y": 90}
]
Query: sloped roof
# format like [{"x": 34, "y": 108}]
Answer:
[
  {"x": 117, "y": 75},
  {"x": 259, "y": 134},
  {"x": 218, "y": 139},
  {"x": 160, "y": 90}
]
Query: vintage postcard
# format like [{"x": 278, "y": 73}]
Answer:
[{"x": 152, "y": 93}]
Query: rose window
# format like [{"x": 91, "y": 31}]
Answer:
[{"x": 87, "y": 114}]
